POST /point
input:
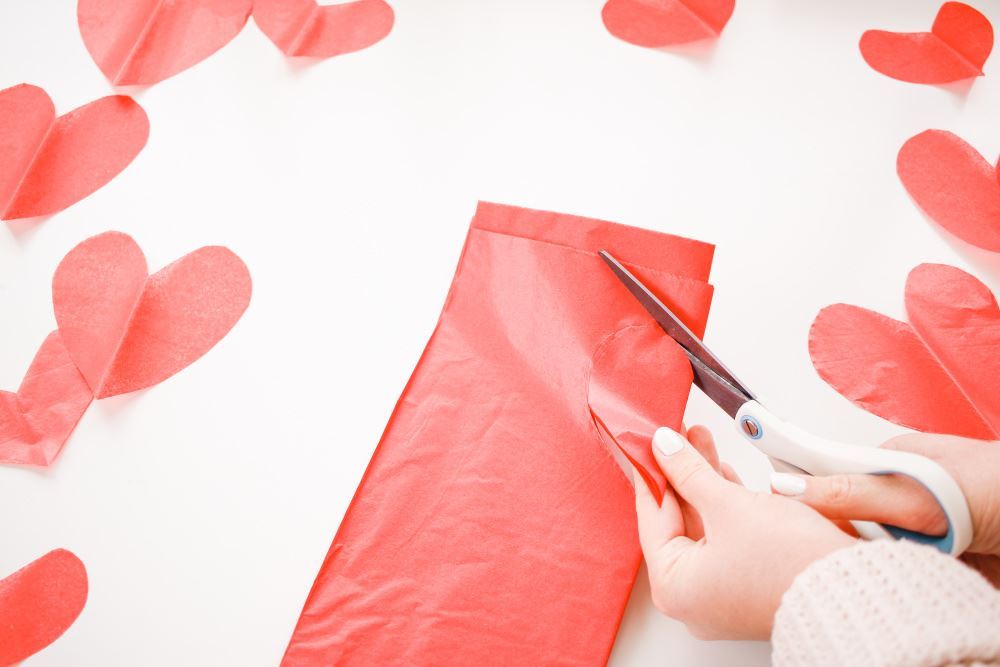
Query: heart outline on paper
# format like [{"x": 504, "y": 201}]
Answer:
[
  {"x": 143, "y": 42},
  {"x": 955, "y": 49},
  {"x": 933, "y": 374},
  {"x": 54, "y": 162}
]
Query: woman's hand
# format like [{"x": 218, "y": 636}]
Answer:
[
  {"x": 903, "y": 502},
  {"x": 720, "y": 556}
]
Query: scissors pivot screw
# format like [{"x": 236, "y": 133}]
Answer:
[{"x": 750, "y": 427}]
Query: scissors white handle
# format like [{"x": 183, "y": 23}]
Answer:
[{"x": 818, "y": 456}]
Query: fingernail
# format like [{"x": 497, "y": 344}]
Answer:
[
  {"x": 668, "y": 441},
  {"x": 788, "y": 485}
]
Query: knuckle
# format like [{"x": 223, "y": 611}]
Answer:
[
  {"x": 689, "y": 473},
  {"x": 838, "y": 490}
]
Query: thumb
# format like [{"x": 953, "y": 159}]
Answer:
[{"x": 689, "y": 474}]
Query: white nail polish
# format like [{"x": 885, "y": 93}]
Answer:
[
  {"x": 788, "y": 485},
  {"x": 668, "y": 441}
]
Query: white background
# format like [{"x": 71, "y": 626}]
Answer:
[{"x": 203, "y": 506}]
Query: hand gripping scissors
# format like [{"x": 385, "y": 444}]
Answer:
[{"x": 790, "y": 447}]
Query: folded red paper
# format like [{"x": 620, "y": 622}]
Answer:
[
  {"x": 50, "y": 163},
  {"x": 956, "y": 48},
  {"x": 38, "y": 603},
  {"x": 141, "y": 42},
  {"x": 936, "y": 374},
  {"x": 661, "y": 23},
  {"x": 493, "y": 525},
  {"x": 120, "y": 330},
  {"x": 305, "y": 28},
  {"x": 954, "y": 185},
  {"x": 626, "y": 412}
]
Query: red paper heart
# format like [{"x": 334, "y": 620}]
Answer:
[
  {"x": 956, "y": 48},
  {"x": 632, "y": 372},
  {"x": 937, "y": 374},
  {"x": 141, "y": 42},
  {"x": 954, "y": 185},
  {"x": 36, "y": 421},
  {"x": 304, "y": 28},
  {"x": 50, "y": 163},
  {"x": 38, "y": 603},
  {"x": 127, "y": 331},
  {"x": 658, "y": 23}
]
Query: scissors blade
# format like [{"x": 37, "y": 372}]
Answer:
[{"x": 711, "y": 375}]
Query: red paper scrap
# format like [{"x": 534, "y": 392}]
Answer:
[
  {"x": 936, "y": 374},
  {"x": 36, "y": 421},
  {"x": 120, "y": 330},
  {"x": 659, "y": 23},
  {"x": 51, "y": 163},
  {"x": 954, "y": 185},
  {"x": 305, "y": 28},
  {"x": 493, "y": 526},
  {"x": 127, "y": 330},
  {"x": 625, "y": 366},
  {"x": 956, "y": 48},
  {"x": 142, "y": 42},
  {"x": 38, "y": 603}
]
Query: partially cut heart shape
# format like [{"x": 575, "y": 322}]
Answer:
[
  {"x": 126, "y": 330},
  {"x": 39, "y": 602},
  {"x": 305, "y": 28},
  {"x": 956, "y": 48},
  {"x": 50, "y": 163},
  {"x": 36, "y": 421},
  {"x": 661, "y": 23},
  {"x": 142, "y": 42},
  {"x": 954, "y": 185},
  {"x": 639, "y": 381},
  {"x": 936, "y": 374}
]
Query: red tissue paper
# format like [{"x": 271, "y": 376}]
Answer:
[
  {"x": 493, "y": 525},
  {"x": 142, "y": 42},
  {"x": 954, "y": 185},
  {"x": 38, "y": 603},
  {"x": 956, "y": 48},
  {"x": 305, "y": 28},
  {"x": 661, "y": 23},
  {"x": 120, "y": 330},
  {"x": 51, "y": 163},
  {"x": 937, "y": 373}
]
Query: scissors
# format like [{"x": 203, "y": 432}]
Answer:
[{"x": 790, "y": 447}]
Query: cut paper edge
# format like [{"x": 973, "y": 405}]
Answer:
[
  {"x": 954, "y": 185},
  {"x": 39, "y": 602},
  {"x": 303, "y": 28},
  {"x": 643, "y": 24},
  {"x": 633, "y": 371},
  {"x": 36, "y": 422},
  {"x": 130, "y": 63}
]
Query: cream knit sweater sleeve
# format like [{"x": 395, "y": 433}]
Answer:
[{"x": 888, "y": 604}]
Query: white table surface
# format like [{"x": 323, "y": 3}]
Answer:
[{"x": 204, "y": 506}]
